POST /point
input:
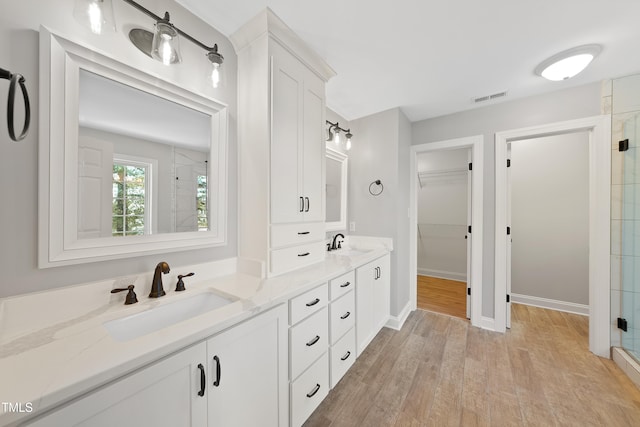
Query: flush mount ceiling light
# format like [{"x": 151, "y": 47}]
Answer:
[
  {"x": 334, "y": 134},
  {"x": 162, "y": 45},
  {"x": 569, "y": 63}
]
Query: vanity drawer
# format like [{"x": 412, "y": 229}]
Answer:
[
  {"x": 307, "y": 341},
  {"x": 309, "y": 390},
  {"x": 295, "y": 234},
  {"x": 306, "y": 304},
  {"x": 342, "y": 284},
  {"x": 342, "y": 356},
  {"x": 342, "y": 316},
  {"x": 288, "y": 259}
]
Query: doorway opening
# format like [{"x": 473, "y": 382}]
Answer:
[
  {"x": 473, "y": 231},
  {"x": 599, "y": 231},
  {"x": 444, "y": 215}
]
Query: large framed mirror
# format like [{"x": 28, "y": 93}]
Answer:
[
  {"x": 129, "y": 164},
  {"x": 336, "y": 190}
]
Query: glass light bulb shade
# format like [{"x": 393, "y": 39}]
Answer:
[
  {"x": 567, "y": 68},
  {"x": 336, "y": 137},
  {"x": 348, "y": 145},
  {"x": 166, "y": 44},
  {"x": 97, "y": 15},
  {"x": 216, "y": 76}
]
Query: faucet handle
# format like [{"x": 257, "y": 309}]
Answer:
[
  {"x": 180, "y": 284},
  {"x": 131, "y": 297}
]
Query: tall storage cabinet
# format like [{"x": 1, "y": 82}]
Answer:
[{"x": 281, "y": 110}]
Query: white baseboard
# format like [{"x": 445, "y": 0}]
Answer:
[
  {"x": 396, "y": 322},
  {"x": 440, "y": 274},
  {"x": 627, "y": 363},
  {"x": 551, "y": 304},
  {"x": 488, "y": 323}
]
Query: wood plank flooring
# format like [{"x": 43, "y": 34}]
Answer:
[
  {"x": 442, "y": 296},
  {"x": 440, "y": 371}
]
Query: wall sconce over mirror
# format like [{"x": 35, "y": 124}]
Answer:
[
  {"x": 334, "y": 130},
  {"x": 162, "y": 45}
]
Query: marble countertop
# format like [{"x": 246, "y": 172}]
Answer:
[{"x": 54, "y": 346}]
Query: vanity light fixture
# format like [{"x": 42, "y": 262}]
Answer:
[
  {"x": 334, "y": 134},
  {"x": 569, "y": 63},
  {"x": 162, "y": 45}
]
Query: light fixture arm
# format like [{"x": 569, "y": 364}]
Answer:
[
  {"x": 157, "y": 18},
  {"x": 336, "y": 126}
]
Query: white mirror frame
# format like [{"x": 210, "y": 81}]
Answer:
[
  {"x": 60, "y": 63},
  {"x": 343, "y": 159}
]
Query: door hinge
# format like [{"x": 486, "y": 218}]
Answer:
[
  {"x": 508, "y": 231},
  {"x": 622, "y": 324},
  {"x": 468, "y": 291},
  {"x": 508, "y": 298},
  {"x": 470, "y": 166},
  {"x": 469, "y": 228},
  {"x": 508, "y": 163},
  {"x": 623, "y": 145}
]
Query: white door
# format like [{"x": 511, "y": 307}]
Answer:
[
  {"x": 95, "y": 180},
  {"x": 508, "y": 237},
  {"x": 168, "y": 393},
  {"x": 247, "y": 384},
  {"x": 469, "y": 235}
]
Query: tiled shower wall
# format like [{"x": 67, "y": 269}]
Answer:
[{"x": 622, "y": 99}]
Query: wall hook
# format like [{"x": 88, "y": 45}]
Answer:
[{"x": 375, "y": 191}]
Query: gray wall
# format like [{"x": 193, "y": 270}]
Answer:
[
  {"x": 578, "y": 102},
  {"x": 19, "y": 25},
  {"x": 381, "y": 151},
  {"x": 550, "y": 217}
]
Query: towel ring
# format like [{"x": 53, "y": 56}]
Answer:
[
  {"x": 16, "y": 79},
  {"x": 378, "y": 183}
]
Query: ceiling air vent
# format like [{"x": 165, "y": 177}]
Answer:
[{"x": 489, "y": 97}]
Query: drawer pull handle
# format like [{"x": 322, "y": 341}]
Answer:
[
  {"x": 345, "y": 284},
  {"x": 344, "y": 316},
  {"x": 314, "y": 391},
  {"x": 203, "y": 380},
  {"x": 304, "y": 254},
  {"x": 313, "y": 341},
  {"x": 216, "y": 359},
  {"x": 302, "y": 233},
  {"x": 312, "y": 303},
  {"x": 346, "y": 356}
]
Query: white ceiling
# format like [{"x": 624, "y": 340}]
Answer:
[{"x": 431, "y": 57}]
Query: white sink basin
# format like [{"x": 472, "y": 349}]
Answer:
[
  {"x": 154, "y": 319},
  {"x": 350, "y": 252}
]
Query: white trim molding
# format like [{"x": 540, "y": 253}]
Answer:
[
  {"x": 396, "y": 322},
  {"x": 476, "y": 144},
  {"x": 488, "y": 323},
  {"x": 551, "y": 304},
  {"x": 439, "y": 274},
  {"x": 599, "y": 129}
]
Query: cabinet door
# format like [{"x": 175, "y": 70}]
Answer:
[
  {"x": 313, "y": 147},
  {"x": 364, "y": 305},
  {"x": 248, "y": 373},
  {"x": 381, "y": 292},
  {"x": 164, "y": 394},
  {"x": 287, "y": 202}
]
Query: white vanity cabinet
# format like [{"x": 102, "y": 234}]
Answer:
[
  {"x": 372, "y": 299},
  {"x": 281, "y": 146},
  {"x": 188, "y": 389},
  {"x": 342, "y": 324}
]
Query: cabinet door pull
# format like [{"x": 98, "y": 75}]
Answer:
[
  {"x": 346, "y": 356},
  {"x": 203, "y": 380},
  {"x": 314, "y": 391},
  {"x": 308, "y": 204},
  {"x": 302, "y": 233},
  {"x": 312, "y": 303},
  {"x": 304, "y": 254},
  {"x": 344, "y": 316},
  {"x": 345, "y": 284},
  {"x": 313, "y": 341},
  {"x": 301, "y": 204},
  {"x": 216, "y": 383}
]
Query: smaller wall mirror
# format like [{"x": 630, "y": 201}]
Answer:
[{"x": 336, "y": 190}]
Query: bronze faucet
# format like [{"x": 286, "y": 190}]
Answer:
[{"x": 156, "y": 285}]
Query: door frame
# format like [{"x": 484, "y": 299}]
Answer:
[
  {"x": 476, "y": 144},
  {"x": 599, "y": 128}
]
